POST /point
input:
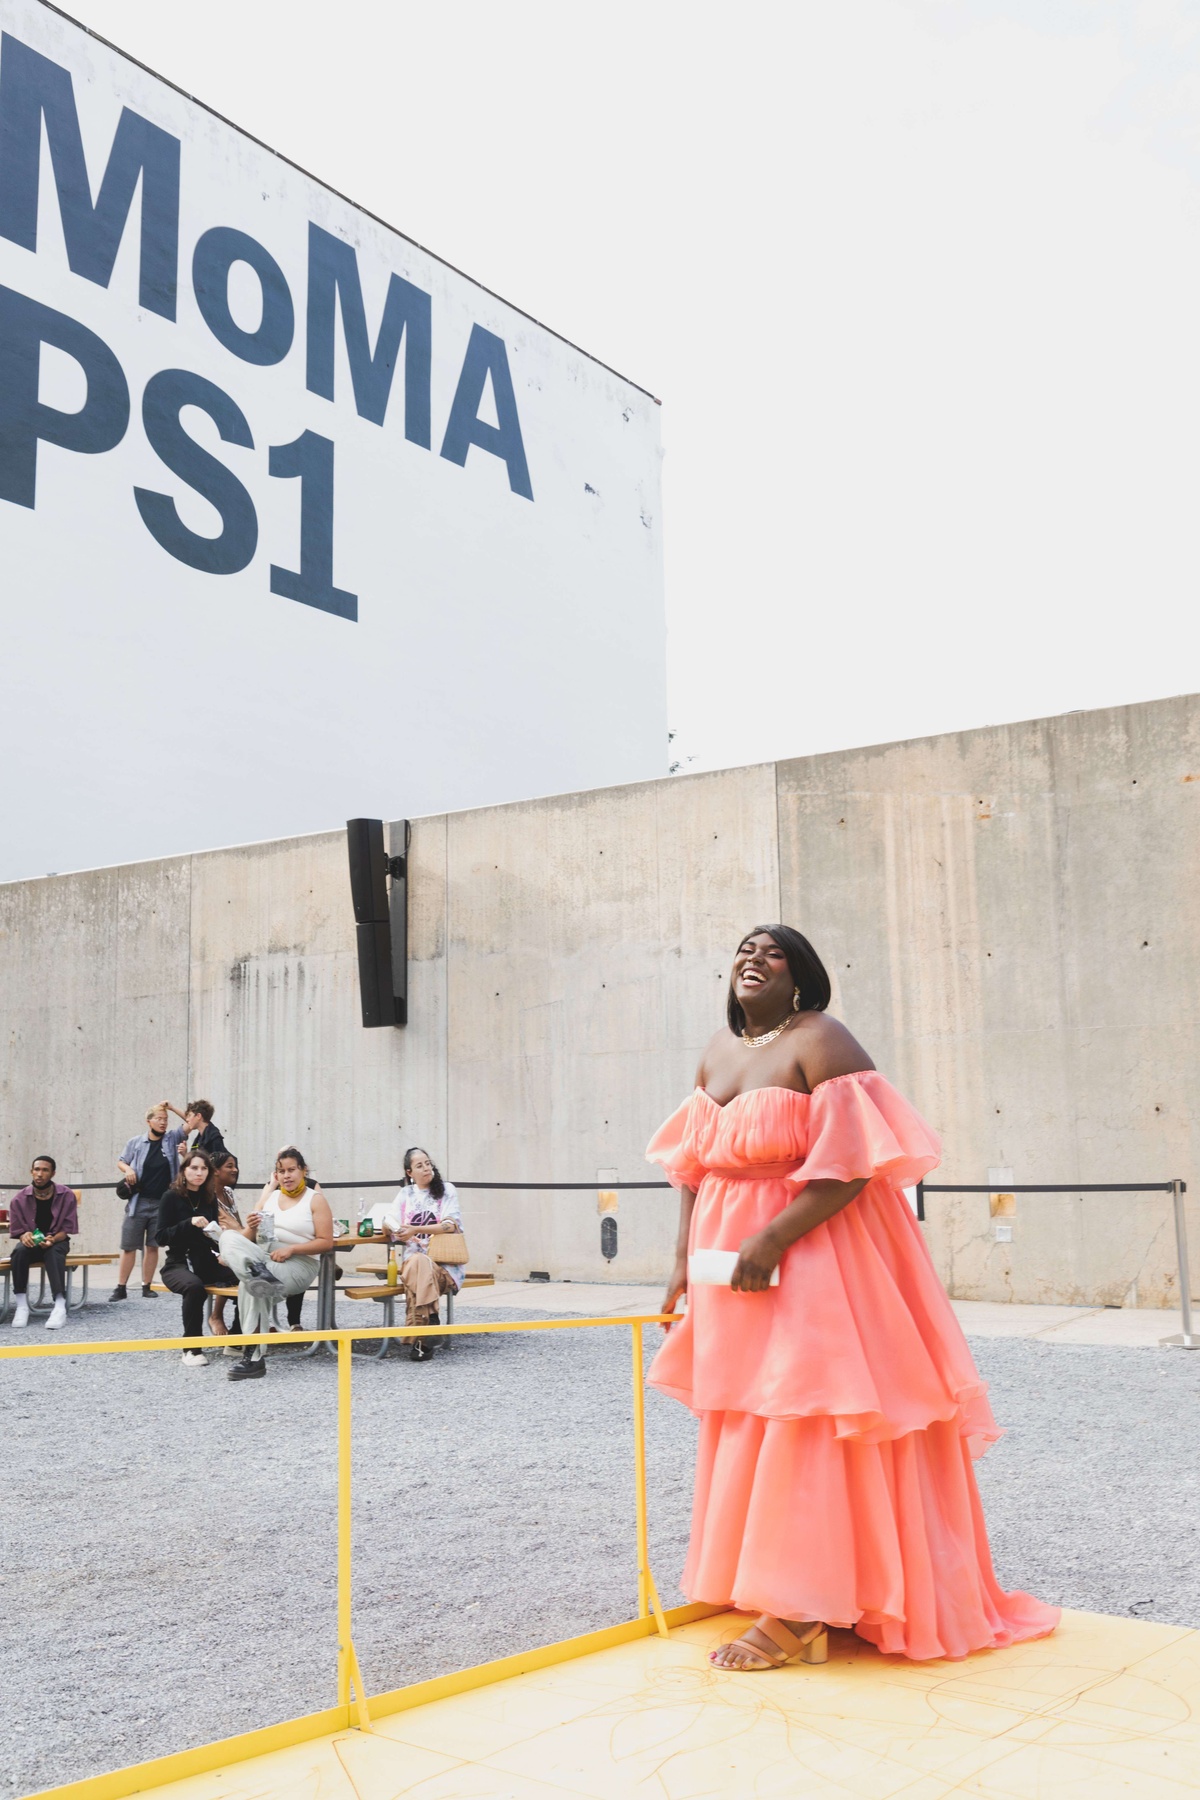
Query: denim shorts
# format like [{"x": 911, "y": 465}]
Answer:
[{"x": 137, "y": 1231}]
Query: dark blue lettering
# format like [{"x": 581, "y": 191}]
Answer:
[
  {"x": 100, "y": 424},
  {"x": 166, "y": 395},
  {"x": 407, "y": 314},
  {"x": 486, "y": 356},
  {"x": 33, "y": 88},
  {"x": 311, "y": 458},
  {"x": 216, "y": 252}
]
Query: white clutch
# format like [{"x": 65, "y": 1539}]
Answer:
[{"x": 714, "y": 1268}]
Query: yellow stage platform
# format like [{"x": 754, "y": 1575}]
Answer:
[{"x": 1105, "y": 1708}]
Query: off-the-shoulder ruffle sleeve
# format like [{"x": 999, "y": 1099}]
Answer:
[
  {"x": 859, "y": 1128},
  {"x": 674, "y": 1147}
]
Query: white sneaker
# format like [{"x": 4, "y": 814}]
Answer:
[
  {"x": 194, "y": 1359},
  {"x": 21, "y": 1316},
  {"x": 58, "y": 1316}
]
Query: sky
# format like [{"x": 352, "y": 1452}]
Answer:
[{"x": 916, "y": 281}]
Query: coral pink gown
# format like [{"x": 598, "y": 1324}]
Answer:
[{"x": 840, "y": 1411}]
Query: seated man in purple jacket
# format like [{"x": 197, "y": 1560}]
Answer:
[{"x": 41, "y": 1219}]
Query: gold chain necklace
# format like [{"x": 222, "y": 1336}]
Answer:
[{"x": 768, "y": 1037}]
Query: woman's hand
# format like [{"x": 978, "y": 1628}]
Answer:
[
  {"x": 199, "y": 1221},
  {"x": 283, "y": 1253},
  {"x": 757, "y": 1260},
  {"x": 676, "y": 1286},
  {"x": 407, "y": 1233}
]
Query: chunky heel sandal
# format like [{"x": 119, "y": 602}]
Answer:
[{"x": 811, "y": 1645}]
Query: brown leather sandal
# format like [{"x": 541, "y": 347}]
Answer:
[{"x": 810, "y": 1646}]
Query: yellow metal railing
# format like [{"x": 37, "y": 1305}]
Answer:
[{"x": 353, "y": 1706}]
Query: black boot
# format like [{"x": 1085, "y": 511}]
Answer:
[{"x": 246, "y": 1369}]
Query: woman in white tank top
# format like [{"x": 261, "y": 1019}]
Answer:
[
  {"x": 293, "y": 1217},
  {"x": 276, "y": 1255}
]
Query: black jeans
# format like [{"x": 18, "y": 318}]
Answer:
[
  {"x": 54, "y": 1256},
  {"x": 190, "y": 1287}
]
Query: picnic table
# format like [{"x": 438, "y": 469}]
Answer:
[
  {"x": 327, "y": 1274},
  {"x": 83, "y": 1261}
]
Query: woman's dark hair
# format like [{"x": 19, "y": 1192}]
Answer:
[
  {"x": 190, "y": 1156},
  {"x": 808, "y": 973},
  {"x": 437, "y": 1186},
  {"x": 291, "y": 1154}
]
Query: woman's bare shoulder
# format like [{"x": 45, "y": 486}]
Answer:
[
  {"x": 719, "y": 1038},
  {"x": 825, "y": 1049}
]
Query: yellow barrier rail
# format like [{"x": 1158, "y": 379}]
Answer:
[{"x": 354, "y": 1708}]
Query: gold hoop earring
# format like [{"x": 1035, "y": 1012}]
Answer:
[{"x": 795, "y": 999}]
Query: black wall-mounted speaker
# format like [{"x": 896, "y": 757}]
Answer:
[
  {"x": 382, "y": 924},
  {"x": 375, "y": 975},
  {"x": 368, "y": 870}
]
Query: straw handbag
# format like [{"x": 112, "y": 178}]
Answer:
[{"x": 448, "y": 1247}]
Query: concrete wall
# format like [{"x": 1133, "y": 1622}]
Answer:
[{"x": 1009, "y": 916}]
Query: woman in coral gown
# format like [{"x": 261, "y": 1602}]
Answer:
[{"x": 839, "y": 1409}]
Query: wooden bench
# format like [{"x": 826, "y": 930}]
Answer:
[
  {"x": 223, "y": 1293},
  {"x": 386, "y": 1296},
  {"x": 82, "y": 1261},
  {"x": 231, "y": 1293},
  {"x": 214, "y": 1293},
  {"x": 472, "y": 1279}
]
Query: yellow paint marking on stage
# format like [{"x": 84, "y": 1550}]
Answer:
[{"x": 1106, "y": 1709}]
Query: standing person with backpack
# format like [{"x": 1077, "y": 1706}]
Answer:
[{"x": 148, "y": 1165}]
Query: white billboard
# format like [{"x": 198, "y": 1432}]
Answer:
[{"x": 297, "y": 522}]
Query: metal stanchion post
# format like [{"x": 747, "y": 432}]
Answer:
[
  {"x": 648, "y": 1600},
  {"x": 348, "y": 1670},
  {"x": 1187, "y": 1339}
]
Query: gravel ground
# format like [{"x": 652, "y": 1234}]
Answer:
[{"x": 170, "y": 1546}]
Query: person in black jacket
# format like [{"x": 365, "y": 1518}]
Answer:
[
  {"x": 190, "y": 1215},
  {"x": 202, "y": 1134}
]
